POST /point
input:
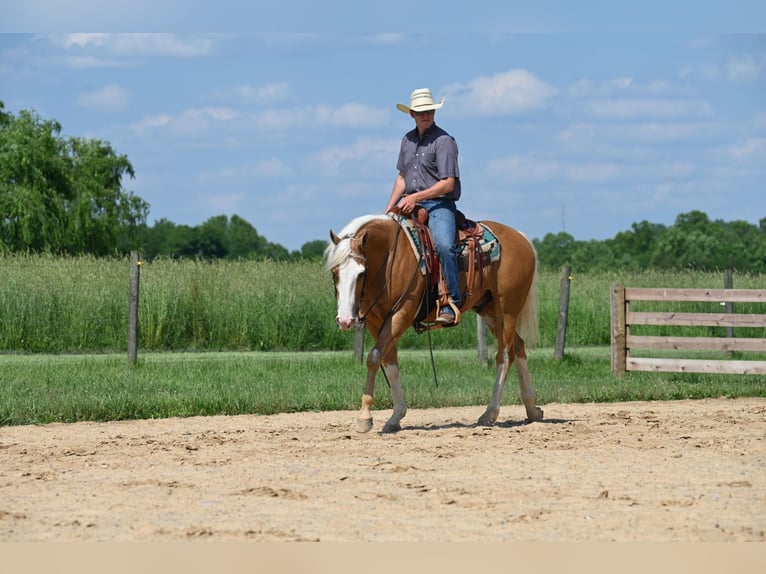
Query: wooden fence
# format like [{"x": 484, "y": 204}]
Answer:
[{"x": 623, "y": 341}]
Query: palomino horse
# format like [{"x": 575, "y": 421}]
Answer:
[{"x": 378, "y": 282}]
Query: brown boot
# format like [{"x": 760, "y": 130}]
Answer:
[{"x": 446, "y": 317}]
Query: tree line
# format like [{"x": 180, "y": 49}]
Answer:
[
  {"x": 66, "y": 195},
  {"x": 693, "y": 242}
]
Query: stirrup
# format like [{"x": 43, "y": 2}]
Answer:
[{"x": 455, "y": 314}]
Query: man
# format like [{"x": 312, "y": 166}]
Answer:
[{"x": 429, "y": 176}]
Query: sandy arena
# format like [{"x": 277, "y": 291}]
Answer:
[{"x": 659, "y": 471}]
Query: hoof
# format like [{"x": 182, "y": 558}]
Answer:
[
  {"x": 392, "y": 427},
  {"x": 488, "y": 419},
  {"x": 535, "y": 416},
  {"x": 363, "y": 425}
]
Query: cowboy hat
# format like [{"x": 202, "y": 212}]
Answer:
[{"x": 421, "y": 100}]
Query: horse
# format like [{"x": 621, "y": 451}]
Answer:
[{"x": 378, "y": 283}]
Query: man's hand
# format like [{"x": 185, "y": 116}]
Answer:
[{"x": 407, "y": 204}]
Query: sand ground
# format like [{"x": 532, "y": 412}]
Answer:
[{"x": 643, "y": 471}]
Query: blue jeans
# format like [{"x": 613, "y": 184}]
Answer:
[{"x": 441, "y": 222}]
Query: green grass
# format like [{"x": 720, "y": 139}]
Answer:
[
  {"x": 236, "y": 310},
  {"x": 40, "y": 389},
  {"x": 80, "y": 304}
]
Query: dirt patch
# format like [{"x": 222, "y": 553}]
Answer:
[{"x": 658, "y": 471}]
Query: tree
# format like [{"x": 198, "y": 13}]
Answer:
[
  {"x": 244, "y": 241},
  {"x": 634, "y": 248},
  {"x": 313, "y": 250},
  {"x": 100, "y": 208},
  {"x": 166, "y": 239},
  {"x": 555, "y": 249},
  {"x": 62, "y": 195},
  {"x": 211, "y": 238},
  {"x": 34, "y": 183}
]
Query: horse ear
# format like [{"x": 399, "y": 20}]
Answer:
[{"x": 334, "y": 238}]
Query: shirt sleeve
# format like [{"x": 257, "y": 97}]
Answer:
[{"x": 446, "y": 157}]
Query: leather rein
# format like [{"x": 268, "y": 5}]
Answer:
[{"x": 389, "y": 259}]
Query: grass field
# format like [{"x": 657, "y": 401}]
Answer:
[
  {"x": 243, "y": 337},
  {"x": 80, "y": 304},
  {"x": 39, "y": 389}
]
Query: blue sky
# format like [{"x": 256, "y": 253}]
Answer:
[{"x": 559, "y": 127}]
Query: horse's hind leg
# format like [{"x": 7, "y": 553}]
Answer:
[
  {"x": 528, "y": 395},
  {"x": 504, "y": 360}
]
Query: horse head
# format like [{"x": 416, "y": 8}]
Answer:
[{"x": 346, "y": 259}]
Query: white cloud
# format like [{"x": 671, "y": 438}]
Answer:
[
  {"x": 661, "y": 132},
  {"x": 269, "y": 93},
  {"x": 618, "y": 87},
  {"x": 82, "y": 40},
  {"x": 512, "y": 92},
  {"x": 58, "y": 15},
  {"x": 744, "y": 68},
  {"x": 375, "y": 155},
  {"x": 135, "y": 45},
  {"x": 225, "y": 203},
  {"x": 282, "y": 119},
  {"x": 152, "y": 122},
  {"x": 350, "y": 115},
  {"x": 389, "y": 39},
  {"x": 709, "y": 71},
  {"x": 635, "y": 108},
  {"x": 751, "y": 149},
  {"x": 190, "y": 121},
  {"x": 533, "y": 170},
  {"x": 272, "y": 167},
  {"x": 94, "y": 62},
  {"x": 589, "y": 136},
  {"x": 109, "y": 98}
]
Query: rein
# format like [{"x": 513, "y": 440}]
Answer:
[{"x": 390, "y": 258}]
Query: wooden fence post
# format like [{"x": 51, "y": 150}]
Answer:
[
  {"x": 561, "y": 329},
  {"x": 728, "y": 283},
  {"x": 359, "y": 343},
  {"x": 135, "y": 274},
  {"x": 481, "y": 340},
  {"x": 618, "y": 330}
]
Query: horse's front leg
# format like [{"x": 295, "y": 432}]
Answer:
[
  {"x": 364, "y": 420},
  {"x": 391, "y": 365}
]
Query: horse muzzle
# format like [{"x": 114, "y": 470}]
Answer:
[{"x": 345, "y": 323}]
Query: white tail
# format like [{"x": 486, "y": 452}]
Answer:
[{"x": 527, "y": 324}]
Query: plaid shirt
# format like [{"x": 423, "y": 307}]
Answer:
[{"x": 423, "y": 162}]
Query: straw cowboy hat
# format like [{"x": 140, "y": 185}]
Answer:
[{"x": 421, "y": 100}]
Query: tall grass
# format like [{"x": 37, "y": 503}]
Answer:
[{"x": 80, "y": 304}]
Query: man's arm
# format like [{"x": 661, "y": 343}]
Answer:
[
  {"x": 441, "y": 187},
  {"x": 396, "y": 192}
]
